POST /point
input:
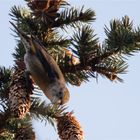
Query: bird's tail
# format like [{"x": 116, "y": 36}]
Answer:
[{"x": 25, "y": 39}]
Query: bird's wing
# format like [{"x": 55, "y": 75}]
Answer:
[{"x": 49, "y": 64}]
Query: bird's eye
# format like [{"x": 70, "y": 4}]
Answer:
[{"x": 60, "y": 93}]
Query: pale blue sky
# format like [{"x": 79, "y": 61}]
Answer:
[{"x": 106, "y": 111}]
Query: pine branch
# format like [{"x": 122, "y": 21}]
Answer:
[
  {"x": 107, "y": 67},
  {"x": 76, "y": 78},
  {"x": 122, "y": 40},
  {"x": 25, "y": 132},
  {"x": 122, "y": 37},
  {"x": 19, "y": 51},
  {"x": 40, "y": 111},
  {"x": 4, "y": 116},
  {"x": 5, "y": 77},
  {"x": 62, "y": 42},
  {"x": 74, "y": 16},
  {"x": 16, "y": 13},
  {"x": 22, "y": 15},
  {"x": 21, "y": 128},
  {"x": 85, "y": 43},
  {"x": 16, "y": 129}
]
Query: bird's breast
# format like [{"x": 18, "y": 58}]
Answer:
[{"x": 36, "y": 69}]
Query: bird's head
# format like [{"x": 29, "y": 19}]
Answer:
[{"x": 58, "y": 94}]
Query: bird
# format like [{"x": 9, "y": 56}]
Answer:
[{"x": 43, "y": 69}]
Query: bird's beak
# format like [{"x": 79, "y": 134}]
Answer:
[{"x": 56, "y": 101}]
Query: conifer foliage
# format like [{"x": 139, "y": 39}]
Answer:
[{"x": 68, "y": 36}]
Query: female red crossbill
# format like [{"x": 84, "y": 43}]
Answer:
[{"x": 43, "y": 69}]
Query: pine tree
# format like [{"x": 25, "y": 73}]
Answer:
[{"x": 79, "y": 54}]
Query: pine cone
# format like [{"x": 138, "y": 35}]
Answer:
[
  {"x": 46, "y": 10},
  {"x": 25, "y": 133},
  {"x": 19, "y": 93},
  {"x": 73, "y": 60},
  {"x": 69, "y": 128},
  {"x": 38, "y": 4}
]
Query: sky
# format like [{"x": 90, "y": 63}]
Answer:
[{"x": 105, "y": 110}]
